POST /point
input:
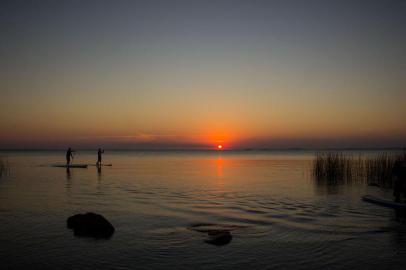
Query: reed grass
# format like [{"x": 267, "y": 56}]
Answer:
[
  {"x": 378, "y": 170},
  {"x": 337, "y": 167},
  {"x": 4, "y": 169}
]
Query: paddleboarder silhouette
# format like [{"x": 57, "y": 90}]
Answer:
[
  {"x": 99, "y": 157},
  {"x": 69, "y": 155}
]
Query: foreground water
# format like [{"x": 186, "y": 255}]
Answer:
[{"x": 278, "y": 216}]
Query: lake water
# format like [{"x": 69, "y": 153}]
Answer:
[{"x": 278, "y": 216}]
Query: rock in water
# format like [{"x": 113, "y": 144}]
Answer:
[
  {"x": 219, "y": 234},
  {"x": 91, "y": 225},
  {"x": 219, "y": 238}
]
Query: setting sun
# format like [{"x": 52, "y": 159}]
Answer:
[{"x": 219, "y": 147}]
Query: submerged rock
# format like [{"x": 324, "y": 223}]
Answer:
[
  {"x": 219, "y": 234},
  {"x": 91, "y": 225},
  {"x": 209, "y": 227},
  {"x": 219, "y": 238}
]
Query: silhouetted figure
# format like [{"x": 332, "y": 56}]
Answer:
[
  {"x": 69, "y": 155},
  {"x": 99, "y": 156},
  {"x": 399, "y": 170}
]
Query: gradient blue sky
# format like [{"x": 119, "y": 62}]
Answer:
[{"x": 186, "y": 74}]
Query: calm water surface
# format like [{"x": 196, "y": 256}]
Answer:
[{"x": 278, "y": 216}]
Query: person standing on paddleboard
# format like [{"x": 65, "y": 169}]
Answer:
[
  {"x": 69, "y": 155},
  {"x": 99, "y": 156}
]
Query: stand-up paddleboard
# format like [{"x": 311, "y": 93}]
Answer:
[
  {"x": 383, "y": 202},
  {"x": 83, "y": 166},
  {"x": 103, "y": 165}
]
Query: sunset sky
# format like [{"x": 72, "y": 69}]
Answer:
[{"x": 195, "y": 74}]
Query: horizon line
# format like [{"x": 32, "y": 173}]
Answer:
[{"x": 211, "y": 150}]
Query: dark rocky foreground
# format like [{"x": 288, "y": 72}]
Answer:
[{"x": 90, "y": 225}]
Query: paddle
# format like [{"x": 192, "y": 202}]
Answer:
[{"x": 71, "y": 163}]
